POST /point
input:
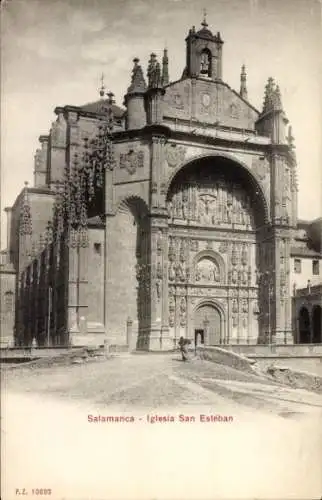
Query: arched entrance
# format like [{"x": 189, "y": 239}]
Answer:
[
  {"x": 216, "y": 210},
  {"x": 208, "y": 325},
  {"x": 316, "y": 324},
  {"x": 304, "y": 326}
]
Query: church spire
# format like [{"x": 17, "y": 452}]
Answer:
[
  {"x": 165, "y": 68},
  {"x": 277, "y": 100},
  {"x": 154, "y": 72},
  {"x": 25, "y": 217},
  {"x": 137, "y": 82},
  {"x": 269, "y": 95},
  {"x": 243, "y": 87}
]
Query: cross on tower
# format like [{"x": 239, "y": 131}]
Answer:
[{"x": 204, "y": 22}]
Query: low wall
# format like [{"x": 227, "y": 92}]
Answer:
[
  {"x": 225, "y": 357},
  {"x": 306, "y": 357},
  {"x": 276, "y": 350}
]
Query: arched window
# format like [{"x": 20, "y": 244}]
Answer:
[{"x": 205, "y": 62}]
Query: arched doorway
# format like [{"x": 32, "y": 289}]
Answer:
[
  {"x": 316, "y": 324},
  {"x": 304, "y": 326},
  {"x": 208, "y": 325}
]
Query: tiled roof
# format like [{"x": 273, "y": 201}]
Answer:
[{"x": 304, "y": 252}]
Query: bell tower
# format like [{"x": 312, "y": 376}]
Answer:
[{"x": 204, "y": 53}]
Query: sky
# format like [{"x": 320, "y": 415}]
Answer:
[{"x": 54, "y": 52}]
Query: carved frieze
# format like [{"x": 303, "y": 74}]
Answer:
[
  {"x": 223, "y": 247},
  {"x": 210, "y": 201},
  {"x": 207, "y": 270},
  {"x": 174, "y": 154},
  {"x": 132, "y": 160}
]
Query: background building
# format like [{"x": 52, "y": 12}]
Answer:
[{"x": 175, "y": 215}]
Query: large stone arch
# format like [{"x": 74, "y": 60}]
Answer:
[
  {"x": 129, "y": 232},
  {"x": 239, "y": 165}
]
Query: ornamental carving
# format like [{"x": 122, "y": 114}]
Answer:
[
  {"x": 234, "y": 111},
  {"x": 183, "y": 311},
  {"x": 209, "y": 200},
  {"x": 159, "y": 243},
  {"x": 223, "y": 247},
  {"x": 132, "y": 160},
  {"x": 207, "y": 270},
  {"x": 194, "y": 245},
  {"x": 260, "y": 167},
  {"x": 174, "y": 154}
]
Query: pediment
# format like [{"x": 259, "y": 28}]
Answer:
[{"x": 215, "y": 103}]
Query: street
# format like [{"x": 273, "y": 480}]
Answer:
[{"x": 150, "y": 426}]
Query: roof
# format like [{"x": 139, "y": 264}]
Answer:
[
  {"x": 205, "y": 33},
  {"x": 305, "y": 252},
  {"x": 96, "y": 107}
]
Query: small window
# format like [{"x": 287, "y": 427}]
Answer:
[
  {"x": 297, "y": 266},
  {"x": 316, "y": 267},
  {"x": 97, "y": 248}
]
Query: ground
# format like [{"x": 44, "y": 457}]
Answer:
[{"x": 262, "y": 438}]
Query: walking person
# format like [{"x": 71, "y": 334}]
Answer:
[{"x": 183, "y": 344}]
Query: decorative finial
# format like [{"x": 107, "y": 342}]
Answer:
[
  {"x": 165, "y": 68},
  {"x": 26, "y": 183},
  {"x": 137, "y": 81},
  {"x": 243, "y": 86},
  {"x": 204, "y": 22},
  {"x": 102, "y": 89}
]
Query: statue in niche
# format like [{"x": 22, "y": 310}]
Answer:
[
  {"x": 234, "y": 276},
  {"x": 216, "y": 274},
  {"x": 172, "y": 272},
  {"x": 182, "y": 251},
  {"x": 244, "y": 277},
  {"x": 172, "y": 250},
  {"x": 180, "y": 272},
  {"x": 159, "y": 243},
  {"x": 245, "y": 306},
  {"x": 158, "y": 288},
  {"x": 159, "y": 271},
  {"x": 185, "y": 204},
  {"x": 229, "y": 217},
  {"x": 170, "y": 209}
]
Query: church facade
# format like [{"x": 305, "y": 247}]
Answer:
[{"x": 173, "y": 216}]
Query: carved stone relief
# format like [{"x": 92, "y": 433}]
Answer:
[
  {"x": 132, "y": 160},
  {"x": 211, "y": 201},
  {"x": 174, "y": 154},
  {"x": 183, "y": 311},
  {"x": 260, "y": 167},
  {"x": 207, "y": 270}
]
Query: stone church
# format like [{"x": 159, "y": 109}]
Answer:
[{"x": 175, "y": 215}]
